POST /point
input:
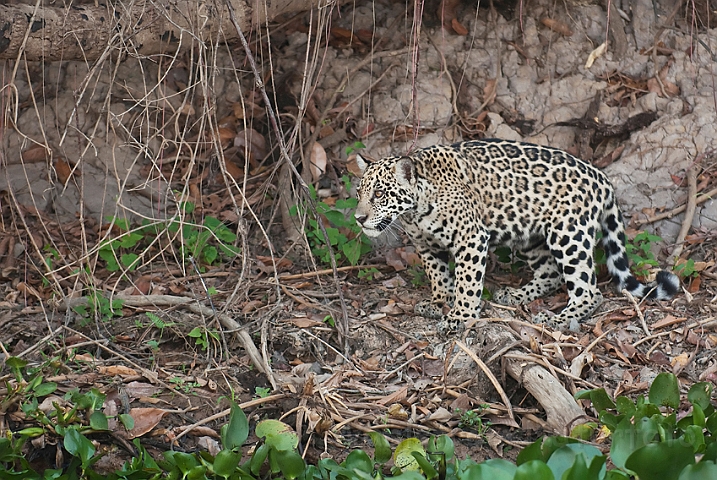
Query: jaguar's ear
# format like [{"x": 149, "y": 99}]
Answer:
[
  {"x": 361, "y": 163},
  {"x": 406, "y": 171}
]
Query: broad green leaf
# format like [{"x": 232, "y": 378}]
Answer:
[
  {"x": 210, "y": 254},
  {"x": 695, "y": 436},
  {"x": 700, "y": 394},
  {"x": 600, "y": 399},
  {"x": 183, "y": 461},
  {"x": 98, "y": 421},
  {"x": 127, "y": 420},
  {"x": 197, "y": 473},
  {"x": 493, "y": 469},
  {"x": 381, "y": 448},
  {"x": 235, "y": 433},
  {"x": 226, "y": 462},
  {"x": 78, "y": 445},
  {"x": 425, "y": 466},
  {"x": 711, "y": 423},
  {"x": 358, "y": 460},
  {"x": 352, "y": 250},
  {"x": 584, "y": 431},
  {"x": 534, "y": 451},
  {"x": 441, "y": 444},
  {"x": 699, "y": 471},
  {"x": 662, "y": 461},
  {"x": 403, "y": 455},
  {"x": 665, "y": 390},
  {"x": 625, "y": 406},
  {"x": 616, "y": 475},
  {"x": 45, "y": 389},
  {"x": 277, "y": 434},
  {"x": 257, "y": 460},
  {"x": 533, "y": 470},
  {"x": 129, "y": 260},
  {"x": 566, "y": 457},
  {"x": 347, "y": 203},
  {"x": 628, "y": 437},
  {"x": 290, "y": 463}
]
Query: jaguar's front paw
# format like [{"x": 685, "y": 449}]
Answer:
[
  {"x": 555, "y": 322},
  {"x": 428, "y": 309},
  {"x": 506, "y": 296},
  {"x": 450, "y": 326}
]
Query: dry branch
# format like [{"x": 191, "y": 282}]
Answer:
[
  {"x": 141, "y": 27},
  {"x": 561, "y": 409}
]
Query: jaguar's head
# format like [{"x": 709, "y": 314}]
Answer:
[{"x": 387, "y": 190}]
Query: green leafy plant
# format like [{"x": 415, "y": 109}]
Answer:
[
  {"x": 357, "y": 145},
  {"x": 345, "y": 238},
  {"x": 99, "y": 306},
  {"x": 202, "y": 337},
  {"x": 471, "y": 419},
  {"x": 262, "y": 392},
  {"x": 648, "y": 439},
  {"x": 505, "y": 255},
  {"x": 369, "y": 274},
  {"x": 418, "y": 276},
  {"x": 116, "y": 250},
  {"x": 640, "y": 254},
  {"x": 686, "y": 269},
  {"x": 207, "y": 242}
]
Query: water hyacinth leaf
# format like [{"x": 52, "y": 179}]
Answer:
[
  {"x": 403, "y": 456},
  {"x": 235, "y": 433},
  {"x": 660, "y": 460},
  {"x": 533, "y": 470},
  {"x": 665, "y": 390},
  {"x": 381, "y": 448}
]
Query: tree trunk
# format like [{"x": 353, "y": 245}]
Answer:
[{"x": 141, "y": 27}]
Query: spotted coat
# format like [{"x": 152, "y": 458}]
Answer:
[{"x": 456, "y": 201}]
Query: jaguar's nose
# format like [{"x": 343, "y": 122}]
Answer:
[{"x": 361, "y": 219}]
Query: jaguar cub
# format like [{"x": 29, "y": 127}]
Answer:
[{"x": 456, "y": 201}]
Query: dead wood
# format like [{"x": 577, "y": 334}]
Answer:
[
  {"x": 89, "y": 32},
  {"x": 561, "y": 409}
]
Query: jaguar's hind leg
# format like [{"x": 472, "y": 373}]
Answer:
[{"x": 546, "y": 278}]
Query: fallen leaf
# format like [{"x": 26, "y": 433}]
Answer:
[
  {"x": 145, "y": 419},
  {"x": 34, "y": 154},
  {"x": 282, "y": 264},
  {"x": 394, "y": 260},
  {"x": 557, "y": 26},
  {"x": 489, "y": 91},
  {"x": 138, "y": 389},
  {"x": 318, "y": 160},
  {"x": 397, "y": 411},
  {"x": 667, "y": 321},
  {"x": 63, "y": 170},
  {"x": 440, "y": 415},
  {"x": 595, "y": 54},
  {"x": 680, "y": 361},
  {"x": 694, "y": 284},
  {"x": 120, "y": 370},
  {"x": 458, "y": 27},
  {"x": 394, "y": 282},
  {"x": 462, "y": 402},
  {"x": 305, "y": 322}
]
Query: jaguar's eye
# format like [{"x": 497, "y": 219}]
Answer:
[{"x": 378, "y": 193}]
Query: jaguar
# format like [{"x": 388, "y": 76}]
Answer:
[{"x": 455, "y": 202}]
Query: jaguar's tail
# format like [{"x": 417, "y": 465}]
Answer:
[{"x": 666, "y": 284}]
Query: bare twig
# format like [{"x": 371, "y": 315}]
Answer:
[
  {"x": 689, "y": 212},
  {"x": 496, "y": 384},
  {"x": 702, "y": 198},
  {"x": 637, "y": 311}
]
